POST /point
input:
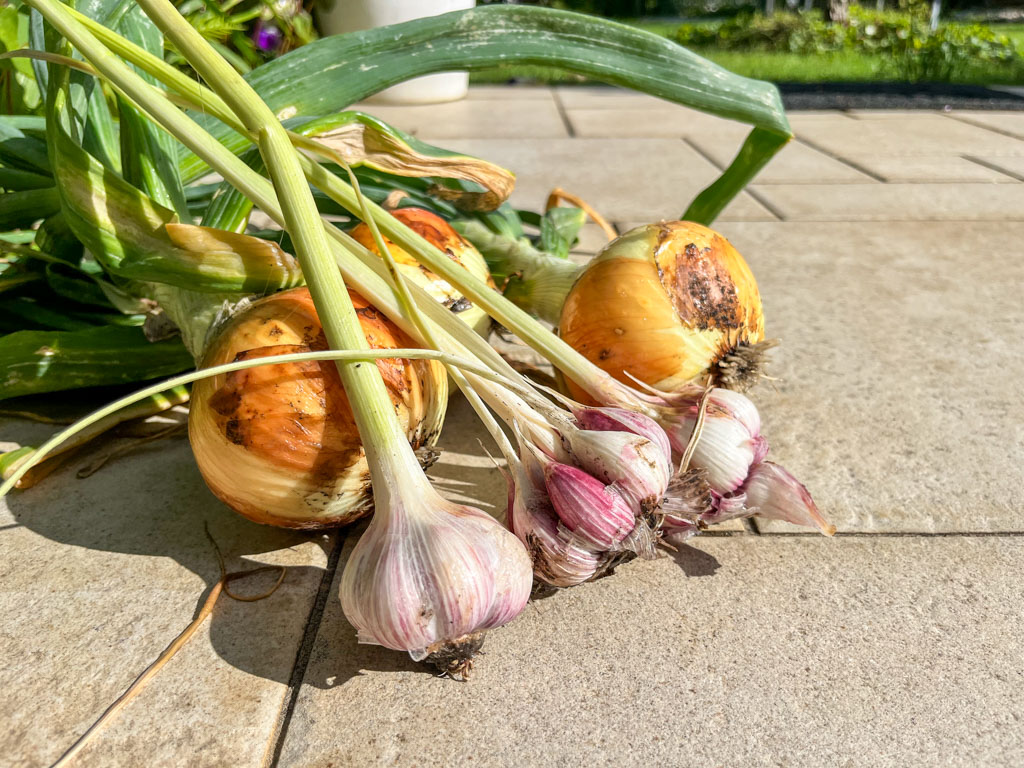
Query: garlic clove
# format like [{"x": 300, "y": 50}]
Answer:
[
  {"x": 639, "y": 468},
  {"x": 773, "y": 493},
  {"x": 725, "y": 451},
  {"x": 596, "y": 513},
  {"x": 558, "y": 557},
  {"x": 623, "y": 420}
]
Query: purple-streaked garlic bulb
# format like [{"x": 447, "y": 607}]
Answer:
[
  {"x": 730, "y": 440},
  {"x": 430, "y": 576},
  {"x": 595, "y": 512},
  {"x": 728, "y": 461}
]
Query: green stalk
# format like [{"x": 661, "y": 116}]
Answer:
[
  {"x": 383, "y": 437},
  {"x": 348, "y": 356},
  {"x": 366, "y": 270},
  {"x": 256, "y": 188},
  {"x": 591, "y": 378},
  {"x": 405, "y": 300},
  {"x": 534, "y": 280}
]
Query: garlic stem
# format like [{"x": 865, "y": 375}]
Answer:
[
  {"x": 361, "y": 355},
  {"x": 533, "y": 279},
  {"x": 422, "y": 325},
  {"x": 598, "y": 383}
]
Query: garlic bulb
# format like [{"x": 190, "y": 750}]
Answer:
[
  {"x": 430, "y": 576},
  {"x": 621, "y": 419},
  {"x": 667, "y": 303},
  {"x": 440, "y": 234},
  {"x": 727, "y": 476},
  {"x": 593, "y": 511},
  {"x": 277, "y": 443}
]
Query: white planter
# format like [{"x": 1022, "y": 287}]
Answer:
[{"x": 340, "y": 16}]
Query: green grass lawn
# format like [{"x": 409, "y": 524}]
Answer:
[
  {"x": 843, "y": 66},
  {"x": 1013, "y": 31}
]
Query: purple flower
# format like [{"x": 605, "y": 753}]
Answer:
[{"x": 267, "y": 37}]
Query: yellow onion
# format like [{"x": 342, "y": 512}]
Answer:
[
  {"x": 440, "y": 234},
  {"x": 667, "y": 304},
  {"x": 278, "y": 443}
]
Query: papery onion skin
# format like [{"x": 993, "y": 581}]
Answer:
[
  {"x": 666, "y": 303},
  {"x": 442, "y": 236},
  {"x": 278, "y": 443}
]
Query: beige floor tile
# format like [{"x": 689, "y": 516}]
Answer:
[
  {"x": 641, "y": 179},
  {"x": 929, "y": 136},
  {"x": 895, "y": 114},
  {"x": 898, "y": 401},
  {"x": 99, "y": 575},
  {"x": 895, "y": 202},
  {"x": 796, "y": 163},
  {"x": 471, "y": 118},
  {"x": 753, "y": 651},
  {"x": 605, "y": 97},
  {"x": 912, "y": 168},
  {"x": 509, "y": 93},
  {"x": 668, "y": 121}
]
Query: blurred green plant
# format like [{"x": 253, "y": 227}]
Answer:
[
  {"x": 902, "y": 37},
  {"x": 19, "y": 94},
  {"x": 248, "y": 32}
]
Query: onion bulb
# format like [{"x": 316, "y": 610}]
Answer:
[
  {"x": 667, "y": 304},
  {"x": 440, "y": 234},
  {"x": 278, "y": 443}
]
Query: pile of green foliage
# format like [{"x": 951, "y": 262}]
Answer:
[{"x": 903, "y": 38}]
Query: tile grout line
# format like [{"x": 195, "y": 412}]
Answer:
[
  {"x": 843, "y": 160},
  {"x": 313, "y": 621},
  {"x": 1000, "y": 131},
  {"x": 563, "y": 113},
  {"x": 992, "y": 167},
  {"x": 757, "y": 197},
  {"x": 776, "y": 212},
  {"x": 696, "y": 148}
]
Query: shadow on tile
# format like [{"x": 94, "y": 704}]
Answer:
[
  {"x": 695, "y": 562},
  {"x": 153, "y": 506}
]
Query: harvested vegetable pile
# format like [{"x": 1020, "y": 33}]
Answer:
[{"x": 126, "y": 261}]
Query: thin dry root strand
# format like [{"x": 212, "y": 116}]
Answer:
[
  {"x": 698, "y": 427},
  {"x": 558, "y": 194},
  {"x": 96, "y": 465},
  {"x": 226, "y": 578},
  {"x": 140, "y": 682},
  {"x": 169, "y": 652},
  {"x": 744, "y": 366}
]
